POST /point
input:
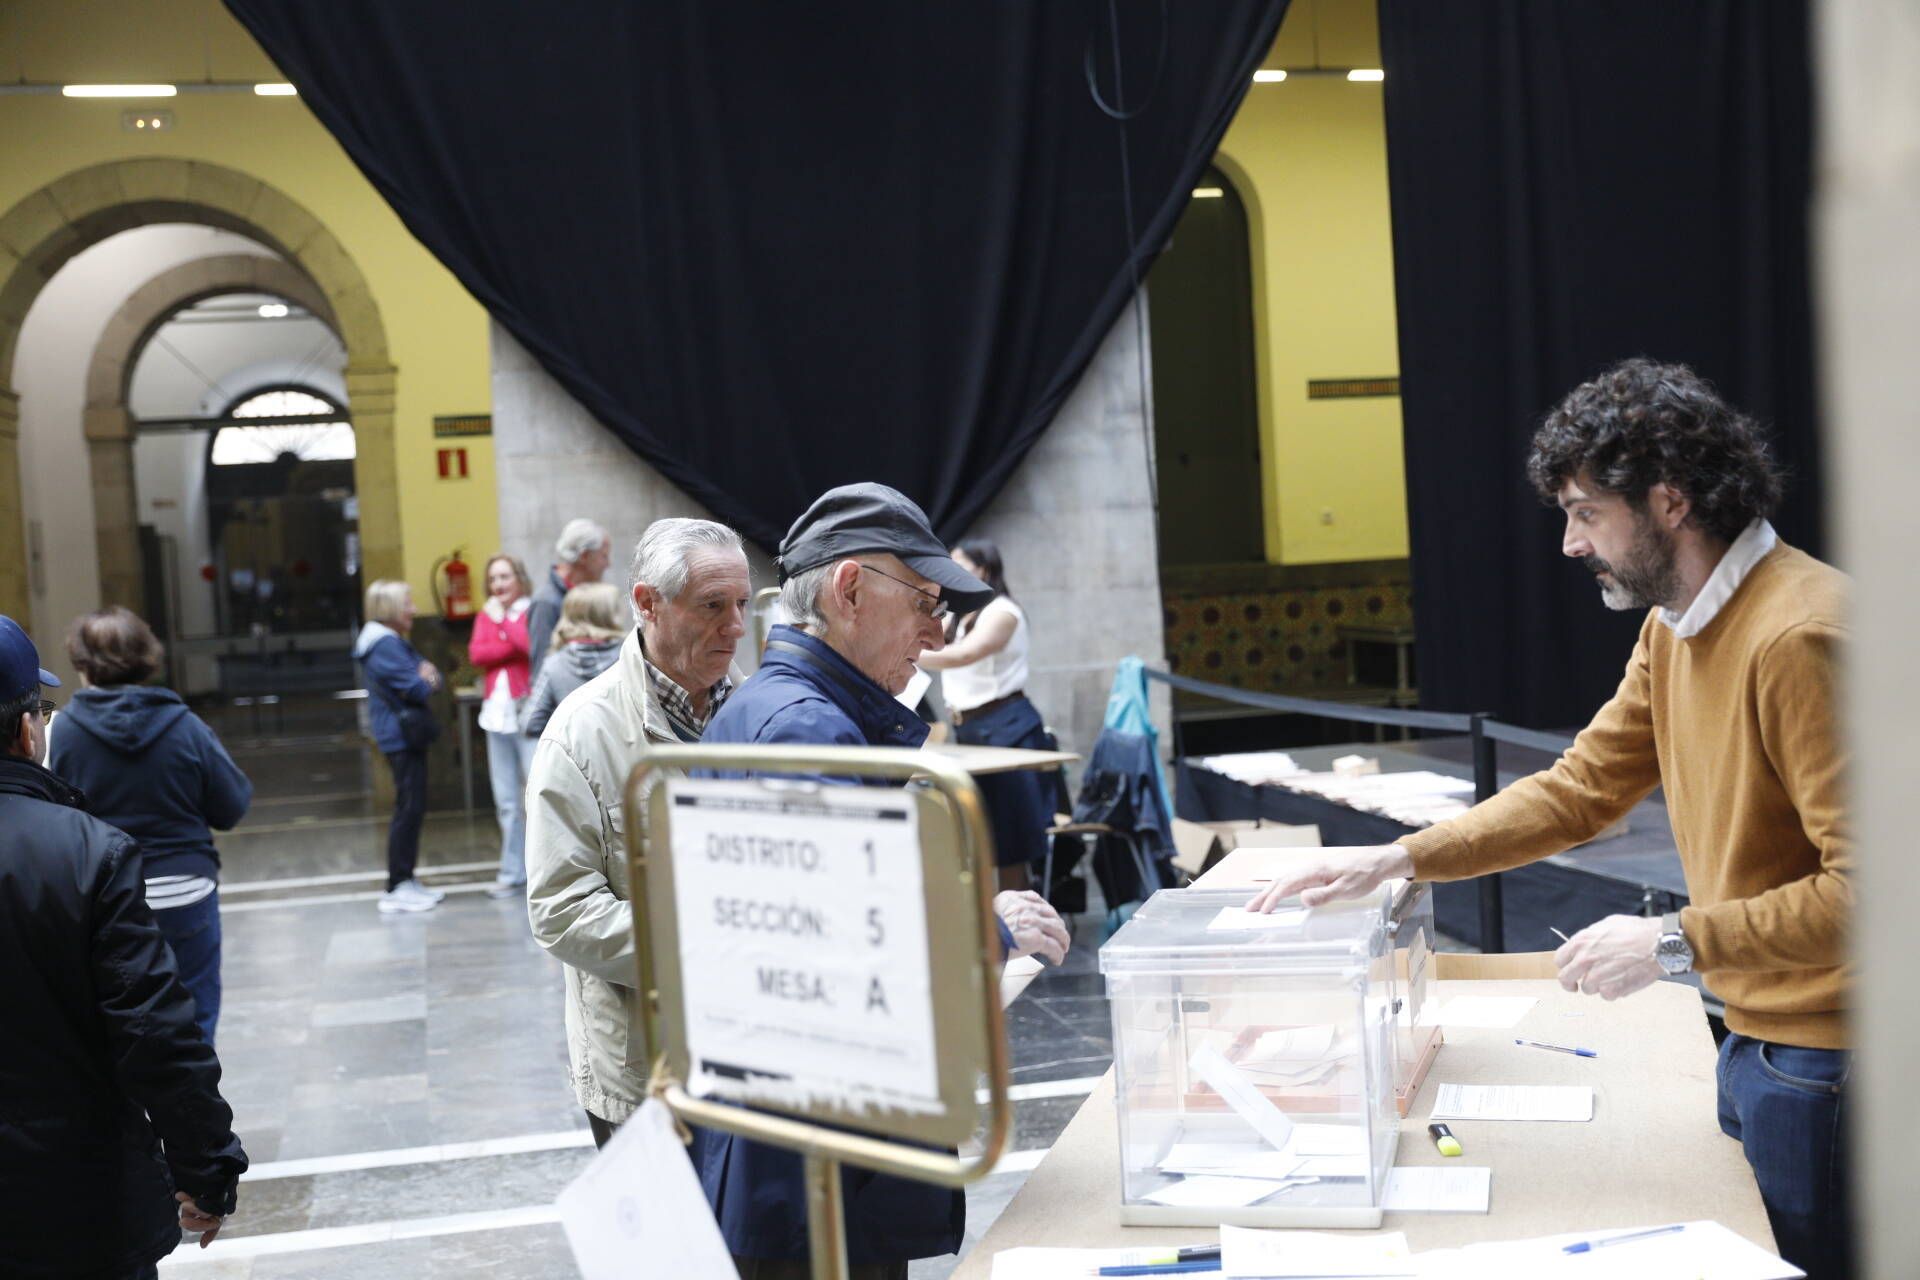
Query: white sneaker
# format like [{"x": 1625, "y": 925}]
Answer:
[
  {"x": 419, "y": 890},
  {"x": 501, "y": 889},
  {"x": 399, "y": 899}
]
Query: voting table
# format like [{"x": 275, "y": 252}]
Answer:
[{"x": 1652, "y": 1153}]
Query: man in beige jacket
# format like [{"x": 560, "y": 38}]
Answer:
[{"x": 690, "y": 591}]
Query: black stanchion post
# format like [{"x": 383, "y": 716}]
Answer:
[{"x": 1486, "y": 781}]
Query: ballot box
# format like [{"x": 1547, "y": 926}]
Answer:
[{"x": 1262, "y": 1062}]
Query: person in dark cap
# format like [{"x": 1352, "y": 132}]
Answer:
[
  {"x": 114, "y": 1135},
  {"x": 868, "y": 588}
]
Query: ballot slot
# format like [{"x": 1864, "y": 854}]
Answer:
[{"x": 1257, "y": 1069}]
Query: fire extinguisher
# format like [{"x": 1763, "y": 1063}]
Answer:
[{"x": 456, "y": 599}]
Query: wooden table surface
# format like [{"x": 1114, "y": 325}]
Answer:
[{"x": 1652, "y": 1154}]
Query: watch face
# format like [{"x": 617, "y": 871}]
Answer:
[{"x": 1673, "y": 954}]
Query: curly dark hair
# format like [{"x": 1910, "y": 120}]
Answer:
[
  {"x": 1642, "y": 423},
  {"x": 114, "y": 646}
]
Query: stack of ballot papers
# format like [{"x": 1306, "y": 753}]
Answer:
[
  {"x": 1253, "y": 767},
  {"x": 1572, "y": 1103},
  {"x": 1241, "y": 1173}
]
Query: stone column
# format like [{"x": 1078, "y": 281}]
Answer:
[
  {"x": 116, "y": 509},
  {"x": 1868, "y": 182},
  {"x": 14, "y": 594},
  {"x": 376, "y": 483}
]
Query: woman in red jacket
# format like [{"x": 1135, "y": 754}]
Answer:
[{"x": 499, "y": 649}]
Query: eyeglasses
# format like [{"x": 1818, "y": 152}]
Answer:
[
  {"x": 47, "y": 709},
  {"x": 938, "y": 613}
]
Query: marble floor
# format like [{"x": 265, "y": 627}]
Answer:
[{"x": 400, "y": 1081}]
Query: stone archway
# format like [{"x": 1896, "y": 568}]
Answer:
[
  {"x": 42, "y": 231},
  {"x": 107, "y": 420}
]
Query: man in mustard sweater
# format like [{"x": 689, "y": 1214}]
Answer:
[{"x": 1729, "y": 703}]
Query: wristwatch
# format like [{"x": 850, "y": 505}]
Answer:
[{"x": 1671, "y": 951}]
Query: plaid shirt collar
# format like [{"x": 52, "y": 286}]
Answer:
[{"x": 678, "y": 704}]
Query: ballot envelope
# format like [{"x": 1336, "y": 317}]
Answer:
[{"x": 1262, "y": 1062}]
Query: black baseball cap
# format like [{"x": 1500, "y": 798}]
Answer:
[
  {"x": 867, "y": 519},
  {"x": 20, "y": 669}
]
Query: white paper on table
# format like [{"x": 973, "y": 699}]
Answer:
[
  {"x": 1269, "y": 1121},
  {"x": 1705, "y": 1249},
  {"x": 1241, "y": 920},
  {"x": 1477, "y": 1011},
  {"x": 1210, "y": 1191},
  {"x": 1439, "y": 1189},
  {"x": 917, "y": 685},
  {"x": 1275, "y": 1255},
  {"x": 639, "y": 1198},
  {"x": 1513, "y": 1102}
]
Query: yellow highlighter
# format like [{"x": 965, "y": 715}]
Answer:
[{"x": 1443, "y": 1138}]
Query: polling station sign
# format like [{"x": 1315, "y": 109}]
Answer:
[{"x": 803, "y": 949}]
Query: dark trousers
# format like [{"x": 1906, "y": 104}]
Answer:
[
  {"x": 194, "y": 935},
  {"x": 1786, "y": 1105},
  {"x": 409, "y": 811},
  {"x": 603, "y": 1130}
]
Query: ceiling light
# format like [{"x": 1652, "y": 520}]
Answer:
[
  {"x": 1264, "y": 76},
  {"x": 272, "y": 310},
  {"x": 1208, "y": 193},
  {"x": 118, "y": 90},
  {"x": 1366, "y": 74},
  {"x": 276, "y": 90}
]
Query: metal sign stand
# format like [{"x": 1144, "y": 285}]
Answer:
[{"x": 962, "y": 946}]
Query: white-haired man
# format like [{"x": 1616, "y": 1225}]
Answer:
[
  {"x": 580, "y": 556},
  {"x": 690, "y": 594}
]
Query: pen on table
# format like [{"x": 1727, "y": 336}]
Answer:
[
  {"x": 1558, "y": 1048},
  {"x": 1586, "y": 1246},
  {"x": 1163, "y": 1268}
]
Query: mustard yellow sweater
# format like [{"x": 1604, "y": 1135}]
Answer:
[{"x": 1739, "y": 724}]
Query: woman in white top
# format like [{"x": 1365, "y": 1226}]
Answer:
[
  {"x": 499, "y": 648},
  {"x": 983, "y": 678}
]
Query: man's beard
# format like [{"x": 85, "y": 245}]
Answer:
[{"x": 1646, "y": 577}]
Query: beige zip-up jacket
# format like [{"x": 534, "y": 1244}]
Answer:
[{"x": 577, "y": 895}]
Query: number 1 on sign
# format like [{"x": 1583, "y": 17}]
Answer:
[{"x": 873, "y": 864}]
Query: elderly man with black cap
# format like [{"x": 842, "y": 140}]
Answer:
[
  {"x": 114, "y": 1135},
  {"x": 868, "y": 586}
]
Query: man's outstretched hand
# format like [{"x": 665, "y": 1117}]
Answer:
[{"x": 1328, "y": 875}]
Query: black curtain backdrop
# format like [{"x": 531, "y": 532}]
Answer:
[
  {"x": 1573, "y": 184},
  {"x": 777, "y": 248}
]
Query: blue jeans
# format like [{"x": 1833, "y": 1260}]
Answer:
[
  {"x": 509, "y": 756},
  {"x": 1786, "y": 1105},
  {"x": 409, "y": 813},
  {"x": 194, "y": 934}
]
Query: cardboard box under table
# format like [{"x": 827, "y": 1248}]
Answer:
[
  {"x": 1653, "y": 1152},
  {"x": 1263, "y": 1061}
]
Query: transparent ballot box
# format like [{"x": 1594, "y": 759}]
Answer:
[{"x": 1262, "y": 1063}]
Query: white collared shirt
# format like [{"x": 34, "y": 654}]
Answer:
[{"x": 1747, "y": 551}]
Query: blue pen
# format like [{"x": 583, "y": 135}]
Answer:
[
  {"x": 1587, "y": 1246},
  {"x": 1162, "y": 1268},
  {"x": 1558, "y": 1048}
]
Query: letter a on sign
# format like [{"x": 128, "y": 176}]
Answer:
[{"x": 877, "y": 998}]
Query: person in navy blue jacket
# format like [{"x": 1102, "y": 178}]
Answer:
[
  {"x": 400, "y": 683},
  {"x": 868, "y": 586},
  {"x": 155, "y": 770}
]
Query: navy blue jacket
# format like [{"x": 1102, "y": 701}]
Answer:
[
  {"x": 390, "y": 668},
  {"x": 757, "y": 1191},
  {"x": 153, "y": 769},
  {"x": 109, "y": 1095}
]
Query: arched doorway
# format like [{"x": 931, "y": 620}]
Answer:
[{"x": 51, "y": 226}]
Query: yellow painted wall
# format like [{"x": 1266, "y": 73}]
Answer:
[
  {"x": 1309, "y": 157},
  {"x": 436, "y": 332}
]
